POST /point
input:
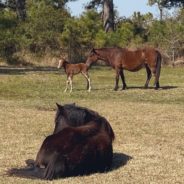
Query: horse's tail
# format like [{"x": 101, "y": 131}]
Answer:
[
  {"x": 158, "y": 68},
  {"x": 54, "y": 169},
  {"x": 31, "y": 173}
]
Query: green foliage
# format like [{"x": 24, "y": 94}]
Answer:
[
  {"x": 8, "y": 42},
  {"x": 50, "y": 27},
  {"x": 166, "y": 3},
  {"x": 43, "y": 26},
  {"x": 157, "y": 32},
  {"x": 39, "y": 33}
]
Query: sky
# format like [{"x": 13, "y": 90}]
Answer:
[{"x": 124, "y": 7}]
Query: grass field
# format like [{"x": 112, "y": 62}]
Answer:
[{"x": 148, "y": 123}]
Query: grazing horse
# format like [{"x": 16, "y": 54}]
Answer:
[
  {"x": 80, "y": 144},
  {"x": 73, "y": 69},
  {"x": 132, "y": 60}
]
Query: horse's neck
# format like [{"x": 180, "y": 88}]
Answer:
[
  {"x": 105, "y": 56},
  {"x": 65, "y": 64}
]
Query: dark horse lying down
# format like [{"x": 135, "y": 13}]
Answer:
[
  {"x": 80, "y": 144},
  {"x": 132, "y": 60}
]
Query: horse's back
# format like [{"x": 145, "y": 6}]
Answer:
[{"x": 131, "y": 59}]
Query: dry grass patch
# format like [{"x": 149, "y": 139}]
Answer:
[{"x": 148, "y": 124}]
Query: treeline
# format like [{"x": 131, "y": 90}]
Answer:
[{"x": 50, "y": 29}]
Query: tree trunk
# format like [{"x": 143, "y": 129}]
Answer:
[
  {"x": 161, "y": 12},
  {"x": 21, "y": 9},
  {"x": 108, "y": 15}
]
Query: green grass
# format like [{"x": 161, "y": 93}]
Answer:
[{"x": 148, "y": 123}]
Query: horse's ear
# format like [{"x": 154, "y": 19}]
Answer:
[
  {"x": 59, "y": 106},
  {"x": 93, "y": 50}
]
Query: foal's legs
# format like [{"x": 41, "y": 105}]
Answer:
[
  {"x": 85, "y": 74},
  {"x": 68, "y": 82},
  {"x": 123, "y": 79},
  {"x": 148, "y": 76}
]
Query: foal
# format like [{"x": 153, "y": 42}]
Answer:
[{"x": 73, "y": 69}]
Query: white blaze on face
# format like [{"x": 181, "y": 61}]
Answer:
[{"x": 60, "y": 64}]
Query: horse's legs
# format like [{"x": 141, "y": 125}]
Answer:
[
  {"x": 88, "y": 80},
  {"x": 67, "y": 83},
  {"x": 117, "y": 80},
  {"x": 158, "y": 69},
  {"x": 123, "y": 79},
  {"x": 156, "y": 83},
  {"x": 149, "y": 75},
  {"x": 70, "y": 82}
]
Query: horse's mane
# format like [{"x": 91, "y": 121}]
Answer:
[
  {"x": 107, "y": 48},
  {"x": 78, "y": 116},
  {"x": 76, "y": 113},
  {"x": 65, "y": 61}
]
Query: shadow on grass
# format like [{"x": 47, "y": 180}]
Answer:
[
  {"x": 129, "y": 88},
  {"x": 119, "y": 160},
  {"x": 4, "y": 70},
  {"x": 161, "y": 88}
]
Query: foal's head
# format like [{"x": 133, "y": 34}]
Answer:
[{"x": 61, "y": 62}]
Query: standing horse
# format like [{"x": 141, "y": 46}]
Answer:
[
  {"x": 132, "y": 60},
  {"x": 80, "y": 144},
  {"x": 73, "y": 69}
]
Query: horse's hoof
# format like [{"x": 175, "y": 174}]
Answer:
[
  {"x": 124, "y": 87},
  {"x": 116, "y": 88},
  {"x": 157, "y": 87},
  {"x": 29, "y": 162},
  {"x": 145, "y": 86}
]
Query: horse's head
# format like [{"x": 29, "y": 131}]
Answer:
[
  {"x": 61, "y": 62},
  {"x": 72, "y": 115},
  {"x": 61, "y": 119},
  {"x": 92, "y": 57}
]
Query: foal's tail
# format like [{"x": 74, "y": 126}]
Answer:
[{"x": 158, "y": 68}]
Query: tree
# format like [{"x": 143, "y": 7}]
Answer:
[
  {"x": 160, "y": 4},
  {"x": 172, "y": 3},
  {"x": 107, "y": 12},
  {"x": 17, "y": 5},
  {"x": 166, "y": 4},
  {"x": 21, "y": 9}
]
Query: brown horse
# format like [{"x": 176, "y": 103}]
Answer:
[
  {"x": 131, "y": 60},
  {"x": 73, "y": 69},
  {"x": 80, "y": 144}
]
